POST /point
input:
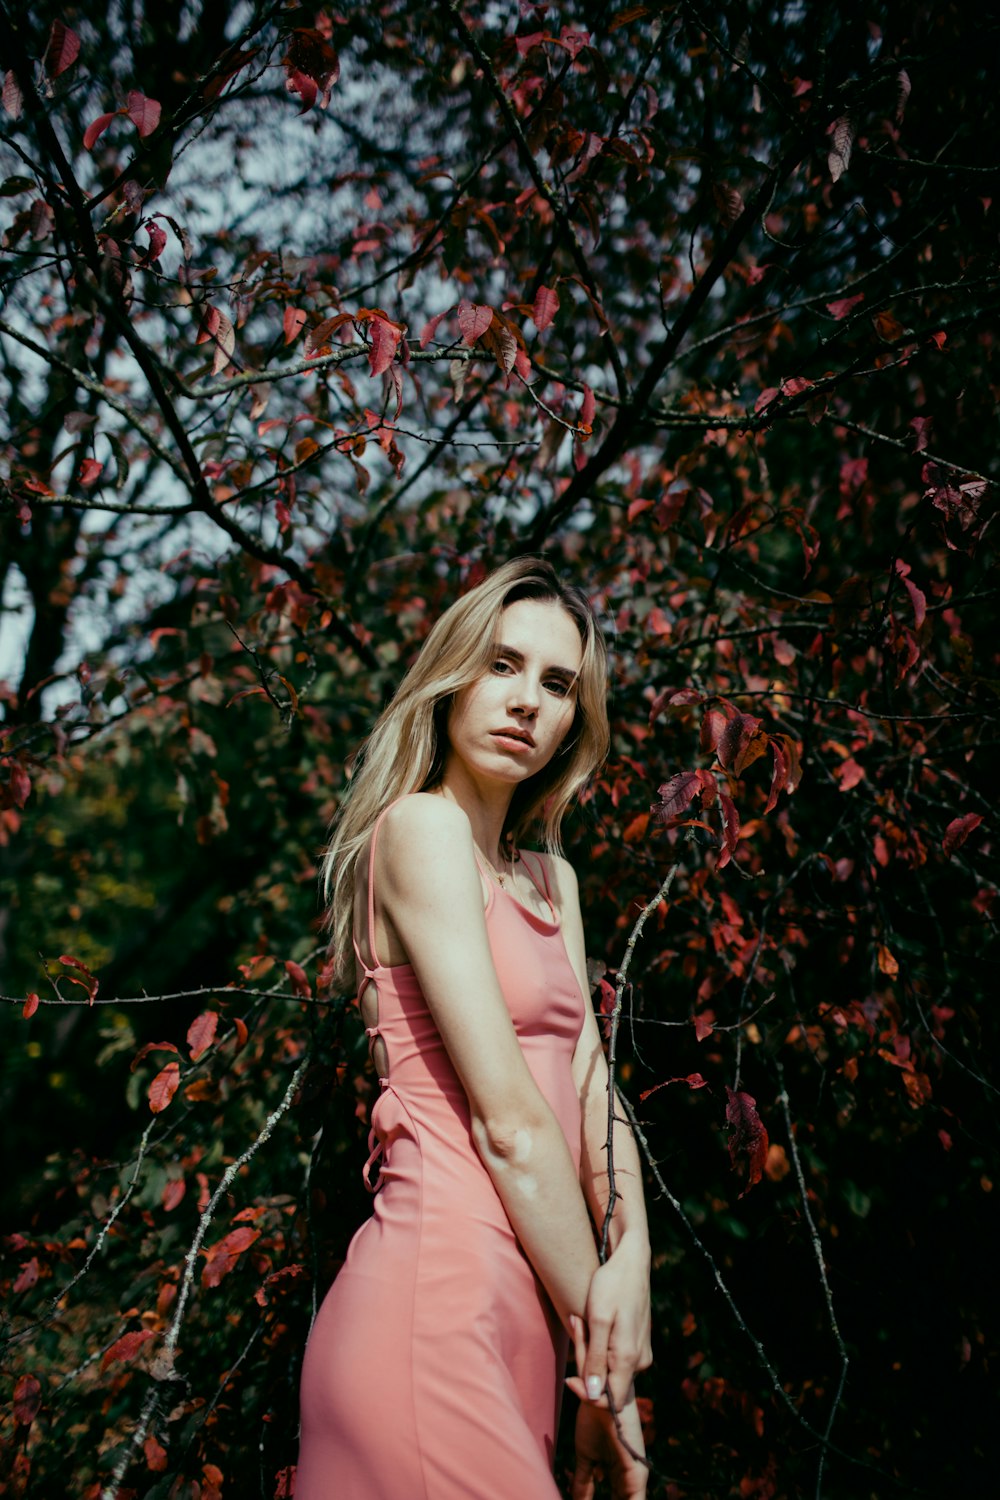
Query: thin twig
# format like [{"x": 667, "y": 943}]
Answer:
[
  {"x": 167, "y": 1357},
  {"x": 824, "y": 1282},
  {"x": 620, "y": 983}
]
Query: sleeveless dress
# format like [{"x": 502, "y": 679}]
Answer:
[{"x": 434, "y": 1369}]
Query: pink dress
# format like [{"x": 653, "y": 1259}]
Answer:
[{"x": 434, "y": 1369}]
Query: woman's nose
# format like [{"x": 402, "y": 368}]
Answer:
[{"x": 524, "y": 697}]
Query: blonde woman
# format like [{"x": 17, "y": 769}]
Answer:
[{"x": 435, "y": 1367}]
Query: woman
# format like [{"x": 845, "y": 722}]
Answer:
[{"x": 435, "y": 1366}]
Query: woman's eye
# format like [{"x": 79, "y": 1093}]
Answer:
[
  {"x": 500, "y": 665},
  {"x": 558, "y": 685}
]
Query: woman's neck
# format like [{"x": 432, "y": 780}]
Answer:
[{"x": 486, "y": 808}]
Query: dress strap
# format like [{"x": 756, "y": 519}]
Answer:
[
  {"x": 543, "y": 889},
  {"x": 376, "y": 962}
]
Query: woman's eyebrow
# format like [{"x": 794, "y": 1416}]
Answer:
[{"x": 518, "y": 656}]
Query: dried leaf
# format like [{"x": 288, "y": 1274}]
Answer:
[
  {"x": 88, "y": 983},
  {"x": 693, "y": 1081},
  {"x": 225, "y": 343},
  {"x": 839, "y": 156},
  {"x": 749, "y": 1136}
]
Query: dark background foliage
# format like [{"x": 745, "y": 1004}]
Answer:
[{"x": 335, "y": 311}]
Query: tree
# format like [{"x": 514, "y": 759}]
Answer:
[{"x": 307, "y": 320}]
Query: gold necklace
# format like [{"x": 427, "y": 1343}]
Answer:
[{"x": 499, "y": 876}]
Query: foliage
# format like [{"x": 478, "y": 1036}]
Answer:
[{"x": 308, "y": 319}]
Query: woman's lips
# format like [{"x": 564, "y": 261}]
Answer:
[{"x": 511, "y": 742}]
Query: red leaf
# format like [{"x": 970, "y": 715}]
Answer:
[
  {"x": 27, "y": 1400},
  {"x": 144, "y": 113},
  {"x": 221, "y": 1257},
  {"x": 91, "y": 985},
  {"x": 730, "y": 829},
  {"x": 587, "y": 409},
  {"x": 241, "y": 1033},
  {"x": 300, "y": 983},
  {"x": 749, "y": 1137},
  {"x": 96, "y": 129},
  {"x": 312, "y": 67},
  {"x": 888, "y": 327},
  {"x": 30, "y": 1006},
  {"x": 780, "y": 777},
  {"x": 156, "y": 1455},
  {"x": 735, "y": 746},
  {"x": 849, "y": 773},
  {"x": 164, "y": 1087},
  {"x": 385, "y": 338},
  {"x": 676, "y": 794},
  {"x": 693, "y": 1081},
  {"x": 127, "y": 1347},
  {"x": 545, "y": 307},
  {"x": 90, "y": 472},
  {"x": 173, "y": 1193},
  {"x": 843, "y": 305},
  {"x": 703, "y": 1025},
  {"x": 13, "y": 99},
  {"x": 958, "y": 831},
  {"x": 201, "y": 1033},
  {"x": 430, "y": 328},
  {"x": 27, "y": 1276},
  {"x": 208, "y": 324},
  {"x": 292, "y": 323},
  {"x": 20, "y": 784},
  {"x": 766, "y": 397},
  {"x": 157, "y": 242},
  {"x": 62, "y": 51},
  {"x": 636, "y": 828},
  {"x": 150, "y": 1047},
  {"x": 473, "y": 319}
]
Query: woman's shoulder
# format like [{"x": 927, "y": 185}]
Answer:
[{"x": 411, "y": 821}]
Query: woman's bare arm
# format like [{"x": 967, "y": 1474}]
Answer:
[
  {"x": 618, "y": 1306},
  {"x": 429, "y": 886}
]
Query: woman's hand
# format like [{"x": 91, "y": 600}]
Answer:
[
  {"x": 602, "y": 1449},
  {"x": 614, "y": 1344}
]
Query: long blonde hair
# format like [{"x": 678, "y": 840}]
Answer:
[{"x": 405, "y": 751}]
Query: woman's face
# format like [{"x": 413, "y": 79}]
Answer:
[{"x": 508, "y": 725}]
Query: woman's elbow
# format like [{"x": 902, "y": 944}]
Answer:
[{"x": 508, "y": 1142}]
